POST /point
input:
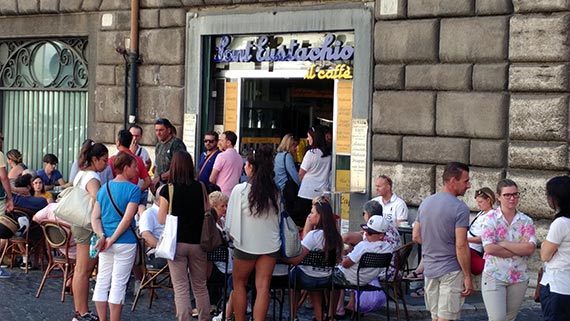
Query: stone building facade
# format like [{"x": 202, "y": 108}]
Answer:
[{"x": 484, "y": 82}]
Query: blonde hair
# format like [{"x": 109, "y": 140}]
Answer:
[
  {"x": 286, "y": 143},
  {"x": 217, "y": 197}
]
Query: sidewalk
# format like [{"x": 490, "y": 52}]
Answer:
[{"x": 18, "y": 303}]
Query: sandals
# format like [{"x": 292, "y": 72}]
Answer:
[{"x": 418, "y": 293}]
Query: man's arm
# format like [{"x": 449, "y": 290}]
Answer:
[
  {"x": 6, "y": 184},
  {"x": 464, "y": 258},
  {"x": 149, "y": 239},
  {"x": 214, "y": 176},
  {"x": 416, "y": 233}
]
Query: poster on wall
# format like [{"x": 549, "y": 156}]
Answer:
[
  {"x": 344, "y": 117},
  {"x": 189, "y": 133},
  {"x": 343, "y": 185},
  {"x": 231, "y": 106},
  {"x": 358, "y": 155}
]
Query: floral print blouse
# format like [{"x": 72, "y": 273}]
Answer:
[{"x": 495, "y": 229}]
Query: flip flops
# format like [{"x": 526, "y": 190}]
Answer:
[{"x": 418, "y": 293}]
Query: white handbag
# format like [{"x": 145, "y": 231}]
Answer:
[{"x": 166, "y": 247}]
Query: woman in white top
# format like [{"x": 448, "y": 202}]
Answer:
[
  {"x": 320, "y": 234},
  {"x": 314, "y": 174},
  {"x": 253, "y": 223},
  {"x": 92, "y": 160},
  {"x": 555, "y": 252},
  {"x": 485, "y": 199}
]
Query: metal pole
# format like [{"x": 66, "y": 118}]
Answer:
[{"x": 133, "y": 60}]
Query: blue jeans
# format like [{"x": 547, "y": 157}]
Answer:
[
  {"x": 555, "y": 306},
  {"x": 305, "y": 281}
]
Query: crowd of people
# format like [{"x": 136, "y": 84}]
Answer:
[{"x": 246, "y": 197}]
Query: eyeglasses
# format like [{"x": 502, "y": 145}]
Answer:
[
  {"x": 511, "y": 195},
  {"x": 206, "y": 141}
]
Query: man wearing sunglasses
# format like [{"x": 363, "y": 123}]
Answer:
[{"x": 208, "y": 157}]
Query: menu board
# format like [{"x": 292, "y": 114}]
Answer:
[
  {"x": 230, "y": 106},
  {"x": 343, "y": 184},
  {"x": 344, "y": 117},
  {"x": 358, "y": 155},
  {"x": 189, "y": 134}
]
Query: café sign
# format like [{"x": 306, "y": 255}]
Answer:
[
  {"x": 262, "y": 50},
  {"x": 342, "y": 71}
]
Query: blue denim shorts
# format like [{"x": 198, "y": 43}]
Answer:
[{"x": 307, "y": 282}]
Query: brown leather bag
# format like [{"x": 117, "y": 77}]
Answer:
[{"x": 536, "y": 296}]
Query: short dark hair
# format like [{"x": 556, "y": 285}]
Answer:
[
  {"x": 165, "y": 122},
  {"x": 23, "y": 180},
  {"x": 505, "y": 182},
  {"x": 213, "y": 133},
  {"x": 558, "y": 189},
  {"x": 455, "y": 170},
  {"x": 372, "y": 207},
  {"x": 50, "y": 158},
  {"x": 125, "y": 138},
  {"x": 231, "y": 136}
]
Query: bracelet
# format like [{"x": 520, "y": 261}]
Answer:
[{"x": 102, "y": 235}]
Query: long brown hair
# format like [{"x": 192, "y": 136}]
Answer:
[
  {"x": 181, "y": 169},
  {"x": 327, "y": 223},
  {"x": 263, "y": 193}
]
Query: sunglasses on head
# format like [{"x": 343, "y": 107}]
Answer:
[{"x": 482, "y": 193}]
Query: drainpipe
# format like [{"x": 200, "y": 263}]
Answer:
[{"x": 133, "y": 60}]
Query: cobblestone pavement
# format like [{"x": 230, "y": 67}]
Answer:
[{"x": 18, "y": 303}]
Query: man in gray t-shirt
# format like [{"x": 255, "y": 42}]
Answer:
[{"x": 441, "y": 228}]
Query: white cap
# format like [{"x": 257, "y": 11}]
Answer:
[{"x": 376, "y": 224}]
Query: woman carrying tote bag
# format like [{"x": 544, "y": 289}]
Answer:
[{"x": 188, "y": 206}]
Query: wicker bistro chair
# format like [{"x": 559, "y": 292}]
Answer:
[
  {"x": 393, "y": 286},
  {"x": 316, "y": 259},
  {"x": 57, "y": 239},
  {"x": 367, "y": 261},
  {"x": 221, "y": 254},
  {"x": 153, "y": 278},
  {"x": 24, "y": 245}
]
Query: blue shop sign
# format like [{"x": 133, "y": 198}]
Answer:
[{"x": 260, "y": 50}]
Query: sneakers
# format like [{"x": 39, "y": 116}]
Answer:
[
  {"x": 195, "y": 313},
  {"x": 4, "y": 274},
  {"x": 23, "y": 266},
  {"x": 88, "y": 316}
]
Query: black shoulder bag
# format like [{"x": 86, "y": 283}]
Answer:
[{"x": 140, "y": 241}]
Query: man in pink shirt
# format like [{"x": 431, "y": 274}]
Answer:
[{"x": 228, "y": 165}]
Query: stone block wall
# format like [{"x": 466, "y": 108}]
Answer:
[{"x": 484, "y": 82}]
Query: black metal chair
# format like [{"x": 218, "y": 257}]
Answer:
[
  {"x": 316, "y": 259},
  {"x": 370, "y": 261},
  {"x": 395, "y": 283},
  {"x": 221, "y": 254}
]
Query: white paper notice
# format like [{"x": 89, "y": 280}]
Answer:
[
  {"x": 189, "y": 136},
  {"x": 389, "y": 7},
  {"x": 358, "y": 155}
]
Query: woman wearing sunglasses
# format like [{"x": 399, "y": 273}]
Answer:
[{"x": 508, "y": 238}]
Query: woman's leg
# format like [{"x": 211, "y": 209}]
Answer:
[
  {"x": 84, "y": 266},
  {"x": 241, "y": 271},
  {"x": 317, "y": 300},
  {"x": 515, "y": 297},
  {"x": 198, "y": 275},
  {"x": 179, "y": 275},
  {"x": 263, "y": 273},
  {"x": 495, "y": 298},
  {"x": 103, "y": 284},
  {"x": 122, "y": 265}
]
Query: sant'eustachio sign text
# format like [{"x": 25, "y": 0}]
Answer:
[{"x": 259, "y": 51}]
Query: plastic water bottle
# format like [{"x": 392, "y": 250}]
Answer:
[{"x": 92, "y": 249}]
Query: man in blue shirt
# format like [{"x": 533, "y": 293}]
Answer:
[{"x": 208, "y": 157}]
